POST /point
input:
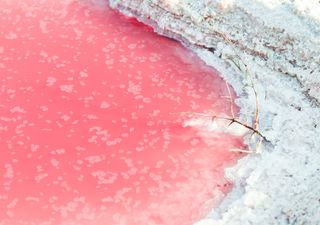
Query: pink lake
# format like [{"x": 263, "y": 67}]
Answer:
[{"x": 91, "y": 123}]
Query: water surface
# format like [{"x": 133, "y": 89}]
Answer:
[{"x": 91, "y": 130}]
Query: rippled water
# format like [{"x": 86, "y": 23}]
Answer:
[{"x": 91, "y": 123}]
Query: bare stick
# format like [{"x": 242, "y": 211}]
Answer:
[
  {"x": 240, "y": 150},
  {"x": 257, "y": 109},
  {"x": 255, "y": 128},
  {"x": 238, "y": 64},
  {"x": 231, "y": 120},
  {"x": 259, "y": 145},
  {"x": 231, "y": 100}
]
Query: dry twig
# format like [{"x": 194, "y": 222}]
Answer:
[{"x": 254, "y": 128}]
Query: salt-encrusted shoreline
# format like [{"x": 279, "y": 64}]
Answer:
[{"x": 279, "y": 41}]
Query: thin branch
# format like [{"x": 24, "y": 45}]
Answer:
[
  {"x": 259, "y": 145},
  {"x": 231, "y": 100},
  {"x": 231, "y": 120},
  {"x": 257, "y": 109},
  {"x": 240, "y": 150},
  {"x": 255, "y": 128}
]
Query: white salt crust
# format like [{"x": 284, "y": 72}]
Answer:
[{"x": 279, "y": 41}]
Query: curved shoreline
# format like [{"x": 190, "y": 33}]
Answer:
[{"x": 280, "y": 47}]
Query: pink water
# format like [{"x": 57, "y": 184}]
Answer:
[{"x": 91, "y": 130}]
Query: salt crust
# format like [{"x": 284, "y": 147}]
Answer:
[{"x": 279, "y": 41}]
